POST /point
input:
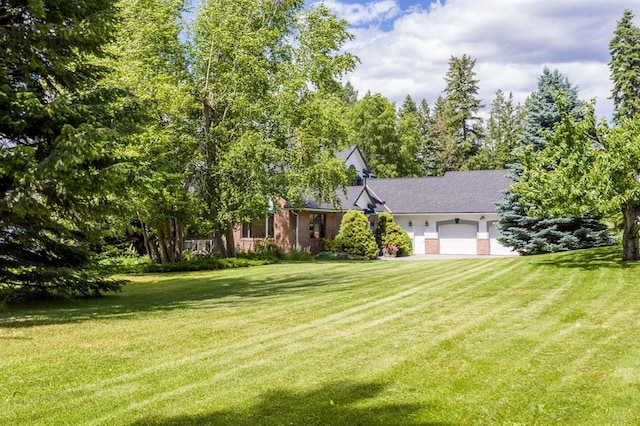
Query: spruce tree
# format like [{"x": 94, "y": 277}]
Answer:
[
  {"x": 533, "y": 235},
  {"x": 624, "y": 49},
  {"x": 60, "y": 129}
]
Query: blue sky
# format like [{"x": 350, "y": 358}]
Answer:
[{"x": 404, "y": 46}]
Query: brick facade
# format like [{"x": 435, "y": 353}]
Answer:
[
  {"x": 432, "y": 246},
  {"x": 483, "y": 246},
  {"x": 284, "y": 232}
]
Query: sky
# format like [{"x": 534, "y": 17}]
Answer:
[{"x": 404, "y": 45}]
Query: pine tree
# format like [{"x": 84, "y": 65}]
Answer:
[
  {"x": 532, "y": 235},
  {"x": 502, "y": 133},
  {"x": 624, "y": 49},
  {"x": 440, "y": 148}
]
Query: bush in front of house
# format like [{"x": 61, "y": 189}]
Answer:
[
  {"x": 355, "y": 237},
  {"x": 390, "y": 234}
]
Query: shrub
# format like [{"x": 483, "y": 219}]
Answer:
[
  {"x": 207, "y": 264},
  {"x": 390, "y": 233},
  {"x": 355, "y": 237}
]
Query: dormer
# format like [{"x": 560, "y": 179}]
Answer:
[{"x": 354, "y": 160}]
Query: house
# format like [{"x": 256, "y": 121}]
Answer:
[{"x": 450, "y": 214}]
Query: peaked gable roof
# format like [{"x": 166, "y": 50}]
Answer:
[{"x": 352, "y": 156}]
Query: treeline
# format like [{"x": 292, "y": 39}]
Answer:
[
  {"x": 420, "y": 140},
  {"x": 120, "y": 118}
]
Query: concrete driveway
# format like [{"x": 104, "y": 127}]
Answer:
[{"x": 441, "y": 257}]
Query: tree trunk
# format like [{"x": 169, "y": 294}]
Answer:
[
  {"x": 221, "y": 245},
  {"x": 231, "y": 245},
  {"x": 164, "y": 255},
  {"x": 178, "y": 239},
  {"x": 149, "y": 246},
  {"x": 631, "y": 215}
]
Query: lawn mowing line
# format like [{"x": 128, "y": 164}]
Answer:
[
  {"x": 232, "y": 351},
  {"x": 429, "y": 305},
  {"x": 289, "y": 350},
  {"x": 549, "y": 337},
  {"x": 309, "y": 326},
  {"x": 222, "y": 375}
]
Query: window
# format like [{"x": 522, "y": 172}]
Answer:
[
  {"x": 317, "y": 223},
  {"x": 356, "y": 178},
  {"x": 259, "y": 228}
]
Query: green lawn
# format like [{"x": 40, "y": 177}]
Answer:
[{"x": 537, "y": 340}]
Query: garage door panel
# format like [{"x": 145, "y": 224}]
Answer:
[
  {"x": 494, "y": 245},
  {"x": 458, "y": 239}
]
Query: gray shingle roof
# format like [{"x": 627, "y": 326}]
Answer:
[{"x": 455, "y": 192}]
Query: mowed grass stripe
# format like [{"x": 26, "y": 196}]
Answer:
[
  {"x": 264, "y": 341},
  {"x": 459, "y": 343},
  {"x": 301, "y": 342}
]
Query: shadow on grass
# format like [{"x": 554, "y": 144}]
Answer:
[
  {"x": 342, "y": 403},
  {"x": 169, "y": 292},
  {"x": 589, "y": 259}
]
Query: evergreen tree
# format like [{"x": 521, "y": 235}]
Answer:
[
  {"x": 355, "y": 236},
  {"x": 462, "y": 106},
  {"x": 440, "y": 148},
  {"x": 502, "y": 134},
  {"x": 624, "y": 49},
  {"x": 410, "y": 139},
  {"x": 350, "y": 94},
  {"x": 60, "y": 143},
  {"x": 532, "y": 235}
]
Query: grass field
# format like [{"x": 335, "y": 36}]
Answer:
[{"x": 538, "y": 340}]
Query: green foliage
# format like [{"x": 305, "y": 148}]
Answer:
[
  {"x": 624, "y": 66},
  {"x": 355, "y": 237},
  {"x": 373, "y": 125},
  {"x": 587, "y": 169},
  {"x": 267, "y": 76},
  {"x": 522, "y": 229},
  {"x": 461, "y": 106},
  {"x": 390, "y": 234},
  {"x": 150, "y": 62},
  {"x": 205, "y": 264},
  {"x": 502, "y": 134},
  {"x": 63, "y": 135}
]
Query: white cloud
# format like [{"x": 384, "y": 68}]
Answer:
[
  {"x": 512, "y": 41},
  {"x": 373, "y": 12}
]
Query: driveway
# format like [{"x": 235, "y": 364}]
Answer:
[{"x": 442, "y": 257}]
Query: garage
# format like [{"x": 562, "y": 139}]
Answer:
[
  {"x": 494, "y": 245},
  {"x": 458, "y": 238}
]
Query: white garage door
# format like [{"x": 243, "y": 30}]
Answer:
[
  {"x": 458, "y": 239},
  {"x": 494, "y": 245}
]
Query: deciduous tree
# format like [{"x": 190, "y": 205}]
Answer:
[
  {"x": 373, "y": 129},
  {"x": 150, "y": 61},
  {"x": 530, "y": 234},
  {"x": 272, "y": 106},
  {"x": 587, "y": 169}
]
